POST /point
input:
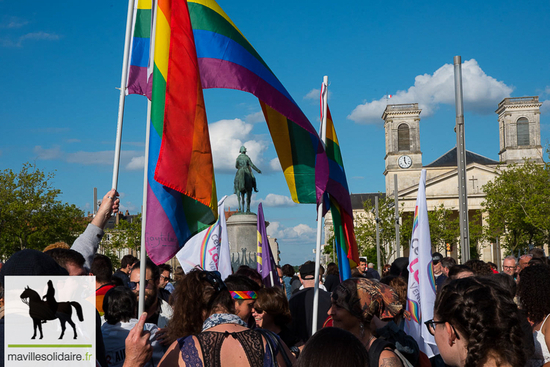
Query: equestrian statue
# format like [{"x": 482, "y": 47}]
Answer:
[{"x": 245, "y": 181}]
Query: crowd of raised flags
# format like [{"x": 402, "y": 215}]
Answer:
[{"x": 177, "y": 49}]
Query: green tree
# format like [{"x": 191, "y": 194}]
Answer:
[
  {"x": 517, "y": 206},
  {"x": 126, "y": 234},
  {"x": 31, "y": 216}
]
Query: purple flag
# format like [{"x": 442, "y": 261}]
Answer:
[{"x": 266, "y": 263}]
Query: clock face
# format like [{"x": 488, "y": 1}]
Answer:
[{"x": 404, "y": 161}]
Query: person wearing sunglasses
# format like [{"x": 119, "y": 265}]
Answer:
[
  {"x": 209, "y": 333},
  {"x": 476, "y": 323}
]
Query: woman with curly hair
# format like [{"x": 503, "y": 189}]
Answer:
[
  {"x": 355, "y": 302},
  {"x": 534, "y": 296},
  {"x": 476, "y": 323},
  {"x": 210, "y": 334}
]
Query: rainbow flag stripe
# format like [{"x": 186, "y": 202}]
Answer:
[
  {"x": 243, "y": 294},
  {"x": 179, "y": 203},
  {"x": 414, "y": 310},
  {"x": 228, "y": 60},
  {"x": 204, "y": 244},
  {"x": 340, "y": 204},
  {"x": 138, "y": 71}
]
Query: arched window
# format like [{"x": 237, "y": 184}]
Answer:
[
  {"x": 403, "y": 138},
  {"x": 523, "y": 131}
]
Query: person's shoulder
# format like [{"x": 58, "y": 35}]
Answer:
[{"x": 389, "y": 358}]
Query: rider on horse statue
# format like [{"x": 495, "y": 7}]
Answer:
[{"x": 245, "y": 181}]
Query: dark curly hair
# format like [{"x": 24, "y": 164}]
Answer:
[
  {"x": 534, "y": 292},
  {"x": 195, "y": 299},
  {"x": 487, "y": 318},
  {"x": 119, "y": 305},
  {"x": 479, "y": 267}
]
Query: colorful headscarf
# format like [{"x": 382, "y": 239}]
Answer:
[
  {"x": 243, "y": 295},
  {"x": 365, "y": 298}
]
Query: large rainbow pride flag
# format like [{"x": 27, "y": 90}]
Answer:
[
  {"x": 228, "y": 60},
  {"x": 181, "y": 192},
  {"x": 340, "y": 204}
]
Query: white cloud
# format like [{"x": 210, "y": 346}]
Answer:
[
  {"x": 137, "y": 163},
  {"x": 255, "y": 117},
  {"x": 299, "y": 233},
  {"x": 50, "y": 130},
  {"x": 313, "y": 94},
  {"x": 13, "y": 22},
  {"x": 227, "y": 137},
  {"x": 131, "y": 207},
  {"x": 275, "y": 165},
  {"x": 105, "y": 157},
  {"x": 545, "y": 108},
  {"x": 72, "y": 141},
  {"x": 277, "y": 200},
  {"x": 481, "y": 93}
]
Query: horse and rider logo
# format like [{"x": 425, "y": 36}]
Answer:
[{"x": 43, "y": 309}]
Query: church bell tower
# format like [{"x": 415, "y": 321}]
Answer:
[{"x": 403, "y": 155}]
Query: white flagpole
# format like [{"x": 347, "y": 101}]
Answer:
[
  {"x": 319, "y": 215},
  {"x": 123, "y": 82},
  {"x": 143, "y": 252}
]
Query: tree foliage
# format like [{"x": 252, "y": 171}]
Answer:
[
  {"x": 31, "y": 216},
  {"x": 517, "y": 206},
  {"x": 126, "y": 234}
]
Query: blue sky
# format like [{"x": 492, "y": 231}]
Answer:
[{"x": 62, "y": 66}]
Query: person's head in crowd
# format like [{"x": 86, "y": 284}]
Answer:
[
  {"x": 506, "y": 282},
  {"x": 537, "y": 253},
  {"x": 31, "y": 262},
  {"x": 198, "y": 295},
  {"x": 321, "y": 271},
  {"x": 399, "y": 285},
  {"x": 371, "y": 265},
  {"x": 127, "y": 262},
  {"x": 386, "y": 270},
  {"x": 509, "y": 265},
  {"x": 243, "y": 291},
  {"x": 332, "y": 269},
  {"x": 476, "y": 323},
  {"x": 356, "y": 301},
  {"x": 179, "y": 274},
  {"x": 355, "y": 273},
  {"x": 493, "y": 266},
  {"x": 399, "y": 267},
  {"x": 119, "y": 305},
  {"x": 537, "y": 261},
  {"x": 523, "y": 262},
  {"x": 70, "y": 260},
  {"x": 362, "y": 265},
  {"x": 307, "y": 274},
  {"x": 271, "y": 310},
  {"x": 479, "y": 267},
  {"x": 164, "y": 274},
  {"x": 534, "y": 292},
  {"x": 436, "y": 259},
  {"x": 333, "y": 347},
  {"x": 460, "y": 271},
  {"x": 102, "y": 268},
  {"x": 447, "y": 263},
  {"x": 288, "y": 270},
  {"x": 152, "y": 280},
  {"x": 57, "y": 245},
  {"x": 248, "y": 272}
]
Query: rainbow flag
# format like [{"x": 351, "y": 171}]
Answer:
[
  {"x": 181, "y": 192},
  {"x": 228, "y": 60},
  {"x": 340, "y": 204},
  {"x": 139, "y": 70}
]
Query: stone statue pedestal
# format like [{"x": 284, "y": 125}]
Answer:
[{"x": 243, "y": 239}]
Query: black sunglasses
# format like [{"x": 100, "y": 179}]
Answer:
[
  {"x": 430, "y": 324},
  {"x": 214, "y": 278}
]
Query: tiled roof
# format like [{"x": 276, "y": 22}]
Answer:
[
  {"x": 357, "y": 200},
  {"x": 449, "y": 159}
]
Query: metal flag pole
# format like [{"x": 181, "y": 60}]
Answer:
[
  {"x": 323, "y": 134},
  {"x": 143, "y": 250},
  {"x": 377, "y": 235},
  {"x": 396, "y": 204},
  {"x": 461, "y": 163},
  {"x": 122, "y": 96}
]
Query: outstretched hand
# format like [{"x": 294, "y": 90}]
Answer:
[
  {"x": 109, "y": 205},
  {"x": 138, "y": 346}
]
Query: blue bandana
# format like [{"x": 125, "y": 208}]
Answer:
[{"x": 222, "y": 318}]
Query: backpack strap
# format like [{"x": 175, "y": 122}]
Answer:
[{"x": 274, "y": 345}]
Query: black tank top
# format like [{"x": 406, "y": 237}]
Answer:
[{"x": 211, "y": 345}]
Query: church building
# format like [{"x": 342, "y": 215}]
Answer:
[{"x": 519, "y": 132}]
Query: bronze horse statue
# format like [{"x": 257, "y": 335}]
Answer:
[
  {"x": 245, "y": 181},
  {"x": 41, "y": 311}
]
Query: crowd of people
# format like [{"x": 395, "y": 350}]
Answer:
[{"x": 481, "y": 317}]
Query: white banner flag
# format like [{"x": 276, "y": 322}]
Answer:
[
  {"x": 421, "y": 289},
  {"x": 209, "y": 249}
]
